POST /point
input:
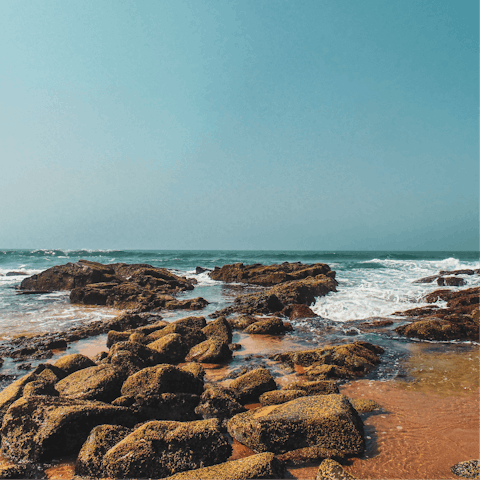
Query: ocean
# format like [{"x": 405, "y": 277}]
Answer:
[{"x": 371, "y": 283}]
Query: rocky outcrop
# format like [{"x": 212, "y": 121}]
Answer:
[
  {"x": 138, "y": 287},
  {"x": 218, "y": 402},
  {"x": 458, "y": 321},
  {"x": 275, "y": 299},
  {"x": 74, "y": 362},
  {"x": 270, "y": 275},
  {"x": 249, "y": 386},
  {"x": 158, "y": 449},
  {"x": 294, "y": 312},
  {"x": 342, "y": 361},
  {"x": 212, "y": 350},
  {"x": 269, "y": 326},
  {"x": 40, "y": 428},
  {"x": 327, "y": 421},
  {"x": 263, "y": 465}
]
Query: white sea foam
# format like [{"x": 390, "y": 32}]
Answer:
[{"x": 379, "y": 292}]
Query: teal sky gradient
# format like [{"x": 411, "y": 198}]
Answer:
[{"x": 253, "y": 124}]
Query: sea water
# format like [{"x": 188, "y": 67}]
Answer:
[{"x": 371, "y": 284}]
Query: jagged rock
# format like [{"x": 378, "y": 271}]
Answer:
[
  {"x": 102, "y": 383},
  {"x": 429, "y": 279},
  {"x": 270, "y": 275},
  {"x": 195, "y": 369},
  {"x": 41, "y": 428},
  {"x": 298, "y": 311},
  {"x": 331, "y": 470},
  {"x": 317, "y": 387},
  {"x": 39, "y": 387},
  {"x": 171, "y": 348},
  {"x": 326, "y": 421},
  {"x": 20, "y": 470},
  {"x": 190, "y": 329},
  {"x": 167, "y": 406},
  {"x": 159, "y": 448},
  {"x": 74, "y": 362},
  {"x": 275, "y": 299},
  {"x": 263, "y": 465},
  {"x": 219, "y": 328},
  {"x": 114, "y": 337},
  {"x": 467, "y": 469},
  {"x": 198, "y": 303},
  {"x": 452, "y": 327},
  {"x": 356, "y": 358},
  {"x": 249, "y": 386},
  {"x": 212, "y": 350},
  {"x": 218, "y": 402},
  {"x": 269, "y": 326},
  {"x": 276, "y": 397},
  {"x": 126, "y": 362},
  {"x": 148, "y": 356},
  {"x": 160, "y": 379},
  {"x": 14, "y": 391},
  {"x": 451, "y": 281},
  {"x": 101, "y": 439},
  {"x": 465, "y": 271}
]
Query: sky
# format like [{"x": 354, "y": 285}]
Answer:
[{"x": 250, "y": 124}]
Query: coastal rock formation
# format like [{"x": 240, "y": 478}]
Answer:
[
  {"x": 249, "y": 386},
  {"x": 159, "y": 448},
  {"x": 269, "y": 326},
  {"x": 212, "y": 350},
  {"x": 74, "y": 362},
  {"x": 327, "y": 421},
  {"x": 218, "y": 402},
  {"x": 40, "y": 428},
  {"x": 342, "y": 361},
  {"x": 331, "y": 470},
  {"x": 138, "y": 287},
  {"x": 275, "y": 299},
  {"x": 458, "y": 321},
  {"x": 270, "y": 275},
  {"x": 467, "y": 469},
  {"x": 263, "y": 465}
]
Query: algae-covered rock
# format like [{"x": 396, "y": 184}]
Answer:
[
  {"x": 158, "y": 449},
  {"x": 41, "y": 428},
  {"x": 263, "y": 465},
  {"x": 275, "y": 397},
  {"x": 167, "y": 406},
  {"x": 326, "y": 421},
  {"x": 296, "y": 311},
  {"x": 72, "y": 363},
  {"x": 160, "y": 379},
  {"x": 219, "y": 328},
  {"x": 467, "y": 469},
  {"x": 114, "y": 337},
  {"x": 364, "y": 405},
  {"x": 331, "y": 470},
  {"x": 189, "y": 328},
  {"x": 315, "y": 387},
  {"x": 102, "y": 383},
  {"x": 251, "y": 385},
  {"x": 269, "y": 326},
  {"x": 101, "y": 439},
  {"x": 148, "y": 356},
  {"x": 171, "y": 348},
  {"x": 212, "y": 350},
  {"x": 218, "y": 402},
  {"x": 195, "y": 369}
]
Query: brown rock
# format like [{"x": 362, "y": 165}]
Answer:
[
  {"x": 251, "y": 385},
  {"x": 269, "y": 326},
  {"x": 212, "y": 350},
  {"x": 331, "y": 470},
  {"x": 171, "y": 348},
  {"x": 298, "y": 311},
  {"x": 276, "y": 397},
  {"x": 218, "y": 402},
  {"x": 74, "y": 362},
  {"x": 219, "y": 328}
]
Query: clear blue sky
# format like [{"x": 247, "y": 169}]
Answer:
[{"x": 250, "y": 124}]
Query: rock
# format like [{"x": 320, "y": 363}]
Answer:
[
  {"x": 39, "y": 387},
  {"x": 41, "y": 428},
  {"x": 114, "y": 337},
  {"x": 363, "y": 405},
  {"x": 126, "y": 362},
  {"x": 161, "y": 379},
  {"x": 148, "y": 356},
  {"x": 212, "y": 350},
  {"x": 14, "y": 391},
  {"x": 318, "y": 387},
  {"x": 15, "y": 274},
  {"x": 355, "y": 359},
  {"x": 101, "y": 439},
  {"x": 326, "y": 421},
  {"x": 199, "y": 270},
  {"x": 242, "y": 322},
  {"x": 327, "y": 371},
  {"x": 331, "y": 470},
  {"x": 298, "y": 311},
  {"x": 171, "y": 348},
  {"x": 74, "y": 362},
  {"x": 453, "y": 327},
  {"x": 276, "y": 397},
  {"x": 275, "y": 299},
  {"x": 195, "y": 369},
  {"x": 148, "y": 329},
  {"x": 429, "y": 279},
  {"x": 218, "y": 402},
  {"x": 22, "y": 470},
  {"x": 263, "y": 465},
  {"x": 251, "y": 385},
  {"x": 190, "y": 329},
  {"x": 219, "y": 328},
  {"x": 158, "y": 449},
  {"x": 198, "y": 303},
  {"x": 102, "y": 383},
  {"x": 466, "y": 271},
  {"x": 450, "y": 281},
  {"x": 269, "y": 326},
  {"x": 167, "y": 406},
  {"x": 270, "y": 275},
  {"x": 468, "y": 469}
]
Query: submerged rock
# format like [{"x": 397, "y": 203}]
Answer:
[
  {"x": 468, "y": 469},
  {"x": 326, "y": 421},
  {"x": 331, "y": 470}
]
